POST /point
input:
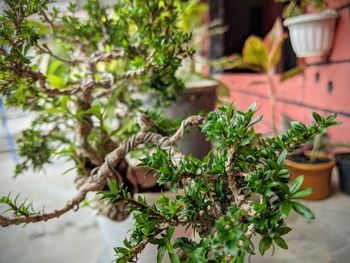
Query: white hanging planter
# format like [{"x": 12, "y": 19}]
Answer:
[
  {"x": 312, "y": 34},
  {"x": 114, "y": 234}
]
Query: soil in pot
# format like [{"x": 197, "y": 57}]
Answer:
[
  {"x": 317, "y": 173},
  {"x": 343, "y": 164}
]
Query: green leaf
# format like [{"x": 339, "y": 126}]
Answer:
[
  {"x": 282, "y": 157},
  {"x": 169, "y": 232},
  {"x": 286, "y": 207},
  {"x": 174, "y": 258},
  {"x": 280, "y": 242},
  {"x": 331, "y": 117},
  {"x": 303, "y": 193},
  {"x": 317, "y": 117},
  {"x": 55, "y": 81},
  {"x": 284, "y": 230},
  {"x": 255, "y": 52},
  {"x": 264, "y": 244},
  {"x": 291, "y": 73},
  {"x": 284, "y": 173},
  {"x": 161, "y": 253},
  {"x": 303, "y": 210},
  {"x": 295, "y": 185}
]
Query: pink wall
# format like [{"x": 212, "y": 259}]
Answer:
[{"x": 323, "y": 88}]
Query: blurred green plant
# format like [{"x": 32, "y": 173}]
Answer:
[
  {"x": 192, "y": 19},
  {"x": 263, "y": 56},
  {"x": 79, "y": 71},
  {"x": 298, "y": 7}
]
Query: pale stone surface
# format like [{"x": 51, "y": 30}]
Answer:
[{"x": 72, "y": 238}]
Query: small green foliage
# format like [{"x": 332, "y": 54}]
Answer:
[
  {"x": 23, "y": 208},
  {"x": 35, "y": 149},
  {"x": 297, "y": 7},
  {"x": 206, "y": 205},
  {"x": 303, "y": 210}
]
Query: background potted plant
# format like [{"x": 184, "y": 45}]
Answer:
[
  {"x": 77, "y": 72},
  {"x": 311, "y": 34},
  {"x": 315, "y": 163},
  {"x": 263, "y": 56}
]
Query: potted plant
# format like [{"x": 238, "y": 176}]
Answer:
[
  {"x": 311, "y": 34},
  {"x": 77, "y": 71},
  {"x": 315, "y": 163},
  {"x": 316, "y": 167},
  {"x": 237, "y": 191},
  {"x": 219, "y": 198},
  {"x": 263, "y": 56}
]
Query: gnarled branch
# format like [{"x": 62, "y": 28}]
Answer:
[{"x": 97, "y": 181}]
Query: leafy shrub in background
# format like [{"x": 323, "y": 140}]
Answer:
[
  {"x": 297, "y": 7},
  {"x": 263, "y": 56},
  {"x": 81, "y": 79}
]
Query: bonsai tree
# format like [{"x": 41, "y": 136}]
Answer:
[
  {"x": 80, "y": 75},
  {"x": 237, "y": 191},
  {"x": 263, "y": 56}
]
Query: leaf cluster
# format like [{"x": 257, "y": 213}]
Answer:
[
  {"x": 131, "y": 47},
  {"x": 295, "y": 8},
  {"x": 208, "y": 203}
]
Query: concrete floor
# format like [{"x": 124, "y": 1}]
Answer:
[{"x": 76, "y": 238}]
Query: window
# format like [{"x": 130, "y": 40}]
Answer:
[{"x": 244, "y": 18}]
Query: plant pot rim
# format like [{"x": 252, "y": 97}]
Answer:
[
  {"x": 328, "y": 14},
  {"x": 313, "y": 166},
  {"x": 200, "y": 85},
  {"x": 339, "y": 156}
]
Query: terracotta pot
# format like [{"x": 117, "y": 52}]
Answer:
[{"x": 316, "y": 175}]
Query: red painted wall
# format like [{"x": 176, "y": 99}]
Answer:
[{"x": 323, "y": 88}]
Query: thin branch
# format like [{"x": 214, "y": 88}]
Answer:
[
  {"x": 97, "y": 181},
  {"x": 41, "y": 78},
  {"x": 105, "y": 57},
  {"x": 54, "y": 30},
  {"x": 5, "y": 221},
  {"x": 45, "y": 49}
]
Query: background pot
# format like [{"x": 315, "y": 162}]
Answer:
[
  {"x": 115, "y": 232},
  {"x": 312, "y": 34},
  {"x": 343, "y": 164},
  {"x": 316, "y": 175},
  {"x": 199, "y": 96}
]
